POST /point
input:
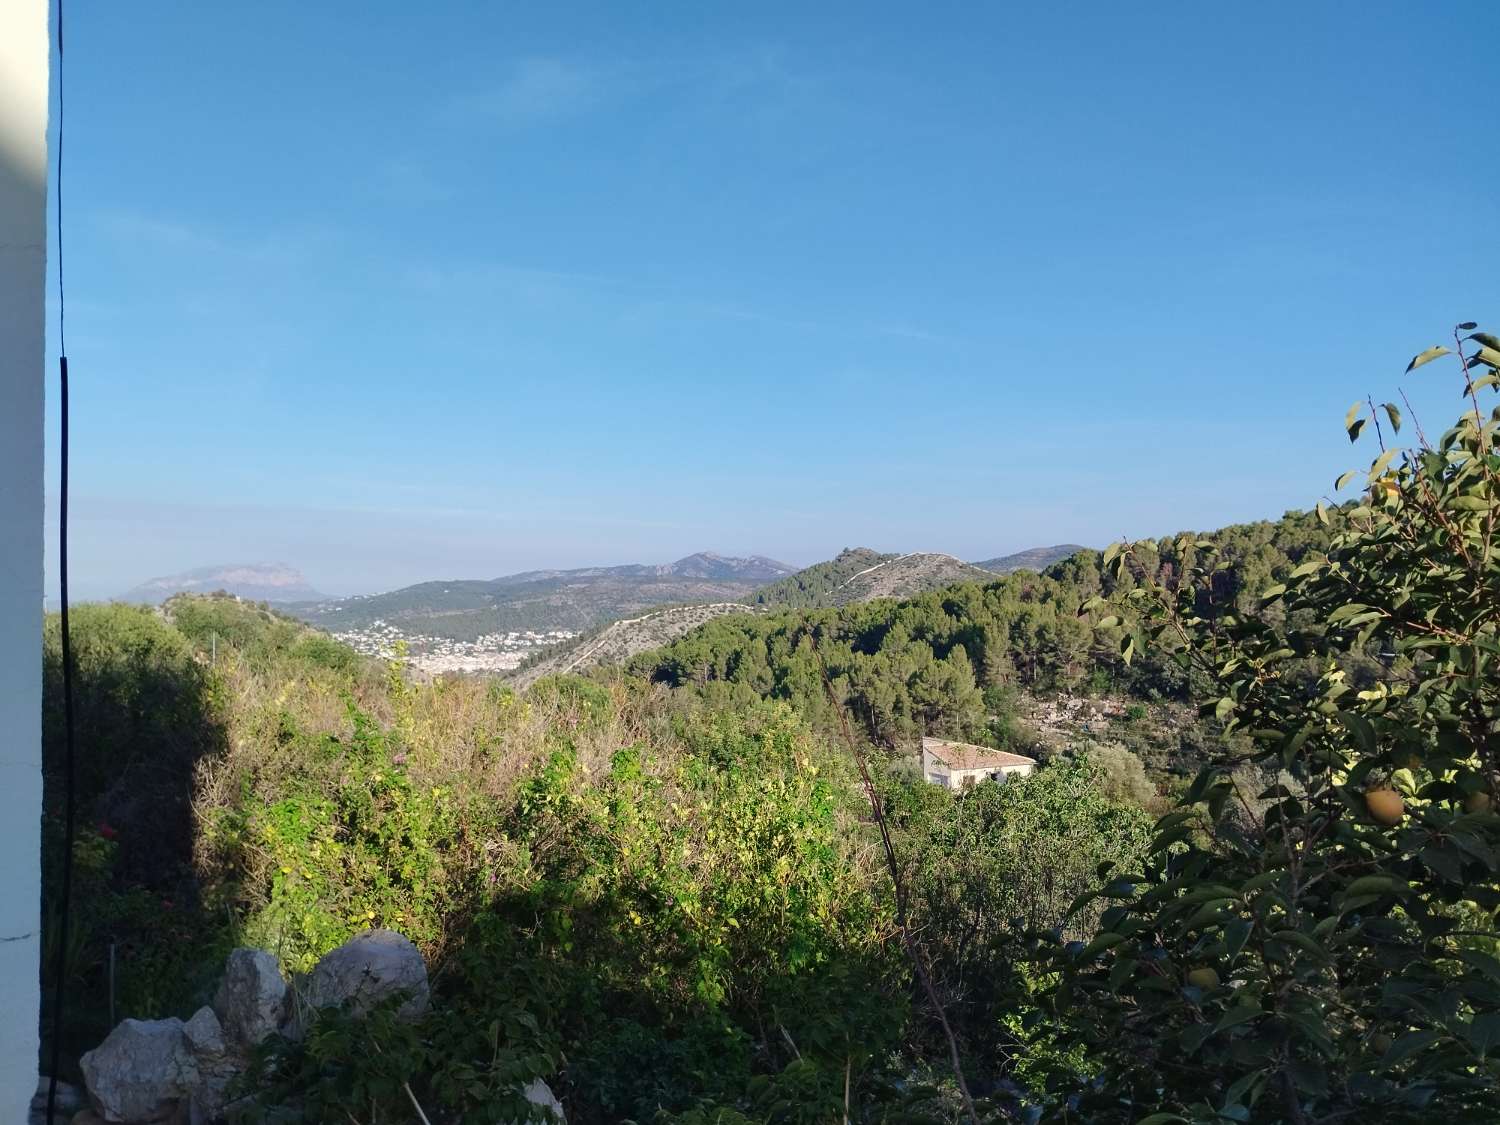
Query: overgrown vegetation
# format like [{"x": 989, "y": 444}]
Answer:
[{"x": 663, "y": 892}]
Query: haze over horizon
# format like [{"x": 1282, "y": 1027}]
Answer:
[{"x": 458, "y": 292}]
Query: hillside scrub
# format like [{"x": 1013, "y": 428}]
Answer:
[{"x": 655, "y": 902}]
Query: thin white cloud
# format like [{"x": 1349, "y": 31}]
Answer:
[
  {"x": 408, "y": 182},
  {"x": 536, "y": 90}
]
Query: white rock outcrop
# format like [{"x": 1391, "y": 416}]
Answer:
[
  {"x": 143, "y": 1072},
  {"x": 251, "y": 1002},
  {"x": 365, "y": 970},
  {"x": 158, "y": 1071}
]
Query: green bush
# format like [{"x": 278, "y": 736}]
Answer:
[{"x": 1329, "y": 956}]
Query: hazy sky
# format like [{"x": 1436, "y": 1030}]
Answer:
[{"x": 393, "y": 291}]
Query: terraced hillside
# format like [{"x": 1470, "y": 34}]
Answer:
[
  {"x": 619, "y": 641},
  {"x": 905, "y": 576}
]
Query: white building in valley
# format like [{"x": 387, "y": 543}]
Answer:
[{"x": 958, "y": 765}]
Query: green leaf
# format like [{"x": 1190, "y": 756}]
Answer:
[
  {"x": 1338, "y": 485},
  {"x": 1487, "y": 356},
  {"x": 1302, "y": 941},
  {"x": 1240, "y": 1013},
  {"x": 1361, "y": 728},
  {"x": 1393, "y": 412},
  {"x": 1409, "y": 1044},
  {"x": 1382, "y": 462},
  {"x": 1357, "y": 429},
  {"x": 1122, "y": 970},
  {"x": 1374, "y": 885},
  {"x": 1322, "y": 512},
  {"x": 1446, "y": 863},
  {"x": 1426, "y": 357},
  {"x": 1162, "y": 1119},
  {"x": 1099, "y": 945},
  {"x": 1484, "y": 1032},
  {"x": 1236, "y": 934}
]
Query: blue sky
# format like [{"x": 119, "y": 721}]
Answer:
[{"x": 392, "y": 291}]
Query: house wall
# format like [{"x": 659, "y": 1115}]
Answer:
[
  {"x": 24, "y": 73},
  {"x": 934, "y": 770},
  {"x": 957, "y": 778}
]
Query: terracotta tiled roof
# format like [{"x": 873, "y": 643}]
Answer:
[{"x": 965, "y": 756}]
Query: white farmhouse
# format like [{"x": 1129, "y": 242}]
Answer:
[{"x": 958, "y": 765}]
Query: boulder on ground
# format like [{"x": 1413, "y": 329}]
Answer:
[
  {"x": 141, "y": 1073},
  {"x": 367, "y": 969},
  {"x": 251, "y": 1002},
  {"x": 216, "y": 1065}
]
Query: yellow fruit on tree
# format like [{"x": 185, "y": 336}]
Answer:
[
  {"x": 1386, "y": 806},
  {"x": 1205, "y": 978}
]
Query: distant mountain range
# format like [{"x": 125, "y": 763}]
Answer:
[
  {"x": 542, "y": 600},
  {"x": 258, "y": 582},
  {"x": 650, "y": 604},
  {"x": 1036, "y": 558}
]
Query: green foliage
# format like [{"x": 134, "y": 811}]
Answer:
[
  {"x": 146, "y": 715},
  {"x": 985, "y": 866},
  {"x": 1330, "y": 955},
  {"x": 1121, "y": 775}
]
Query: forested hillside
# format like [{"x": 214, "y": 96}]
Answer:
[
  {"x": 859, "y": 574},
  {"x": 949, "y": 660},
  {"x": 1033, "y": 558},
  {"x": 812, "y": 585}
]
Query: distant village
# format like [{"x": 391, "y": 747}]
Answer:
[{"x": 492, "y": 652}]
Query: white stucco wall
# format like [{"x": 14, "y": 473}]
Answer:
[
  {"x": 24, "y": 68},
  {"x": 938, "y": 772}
]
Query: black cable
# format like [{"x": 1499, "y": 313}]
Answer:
[{"x": 59, "y": 994}]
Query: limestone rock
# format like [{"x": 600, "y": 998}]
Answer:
[
  {"x": 251, "y": 1002},
  {"x": 142, "y": 1072},
  {"x": 204, "y": 1036},
  {"x": 365, "y": 970},
  {"x": 215, "y": 1062}
]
